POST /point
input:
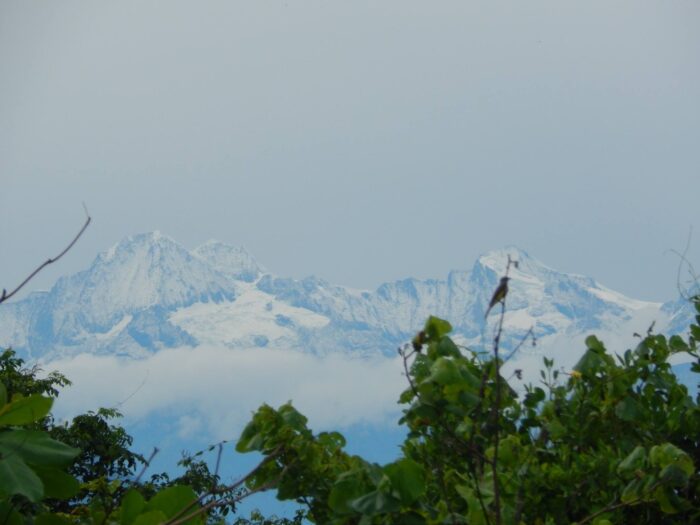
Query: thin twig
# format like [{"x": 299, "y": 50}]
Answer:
[
  {"x": 218, "y": 459},
  {"x": 226, "y": 488},
  {"x": 222, "y": 501},
  {"x": 684, "y": 260},
  {"x": 496, "y": 410},
  {"x": 519, "y": 504},
  {"x": 405, "y": 357},
  {"x": 5, "y": 296},
  {"x": 120, "y": 403},
  {"x": 528, "y": 334},
  {"x": 611, "y": 507},
  {"x": 146, "y": 464},
  {"x": 496, "y": 416}
]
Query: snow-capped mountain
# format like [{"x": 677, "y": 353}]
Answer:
[
  {"x": 232, "y": 261},
  {"x": 120, "y": 304},
  {"x": 148, "y": 292}
]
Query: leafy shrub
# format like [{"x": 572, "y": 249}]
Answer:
[{"x": 616, "y": 439}]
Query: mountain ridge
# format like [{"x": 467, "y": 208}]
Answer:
[{"x": 148, "y": 292}]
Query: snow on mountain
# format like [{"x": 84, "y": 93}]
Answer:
[
  {"x": 232, "y": 261},
  {"x": 253, "y": 319},
  {"x": 148, "y": 292},
  {"x": 119, "y": 304},
  {"x": 681, "y": 311}
]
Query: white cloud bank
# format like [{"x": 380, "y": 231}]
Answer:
[
  {"x": 210, "y": 391},
  {"x": 215, "y": 390}
]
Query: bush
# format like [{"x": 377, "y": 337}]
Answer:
[{"x": 614, "y": 440}]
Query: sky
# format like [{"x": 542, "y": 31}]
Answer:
[{"x": 357, "y": 141}]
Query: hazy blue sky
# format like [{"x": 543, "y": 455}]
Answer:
[{"x": 361, "y": 141}]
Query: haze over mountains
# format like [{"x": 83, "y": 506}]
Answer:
[{"x": 148, "y": 293}]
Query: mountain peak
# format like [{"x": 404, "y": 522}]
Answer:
[
  {"x": 133, "y": 243},
  {"x": 496, "y": 261},
  {"x": 502, "y": 254},
  {"x": 152, "y": 237},
  {"x": 141, "y": 271},
  {"x": 232, "y": 261}
]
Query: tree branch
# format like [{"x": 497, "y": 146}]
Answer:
[
  {"x": 5, "y": 296},
  {"x": 496, "y": 409},
  {"x": 146, "y": 464},
  {"x": 177, "y": 518}
]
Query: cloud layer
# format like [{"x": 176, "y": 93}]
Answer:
[{"x": 213, "y": 390}]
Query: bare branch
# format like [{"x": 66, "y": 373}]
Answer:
[
  {"x": 120, "y": 403},
  {"x": 528, "y": 334},
  {"x": 218, "y": 459},
  {"x": 5, "y": 296},
  {"x": 496, "y": 409},
  {"x": 177, "y": 518},
  {"x": 683, "y": 260},
  {"x": 614, "y": 506},
  {"x": 146, "y": 465},
  {"x": 405, "y": 357}
]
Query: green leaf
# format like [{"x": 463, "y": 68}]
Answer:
[
  {"x": 57, "y": 484},
  {"x": 3, "y": 399},
  {"x": 695, "y": 331},
  {"x": 251, "y": 439},
  {"x": 634, "y": 461},
  {"x": 674, "y": 476},
  {"x": 375, "y": 502},
  {"x": 590, "y": 363},
  {"x": 172, "y": 500},
  {"x": 36, "y": 448},
  {"x": 349, "y": 487},
  {"x": 444, "y": 372},
  {"x": 25, "y": 410},
  {"x": 447, "y": 347},
  {"x": 407, "y": 478},
  {"x": 411, "y": 518},
  {"x": 593, "y": 343},
  {"x": 132, "y": 505},
  {"x": 293, "y": 417},
  {"x": 668, "y": 500},
  {"x": 632, "y": 492},
  {"x": 533, "y": 398},
  {"x": 510, "y": 448},
  {"x": 677, "y": 344},
  {"x": 475, "y": 515},
  {"x": 17, "y": 478},
  {"x": 435, "y": 328},
  {"x": 154, "y": 517},
  {"x": 51, "y": 519},
  {"x": 332, "y": 440},
  {"x": 8, "y": 514},
  {"x": 629, "y": 410},
  {"x": 667, "y": 454}
]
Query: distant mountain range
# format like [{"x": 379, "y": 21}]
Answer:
[{"x": 148, "y": 292}]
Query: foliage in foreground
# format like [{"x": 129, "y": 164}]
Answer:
[
  {"x": 85, "y": 472},
  {"x": 616, "y": 440}
]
